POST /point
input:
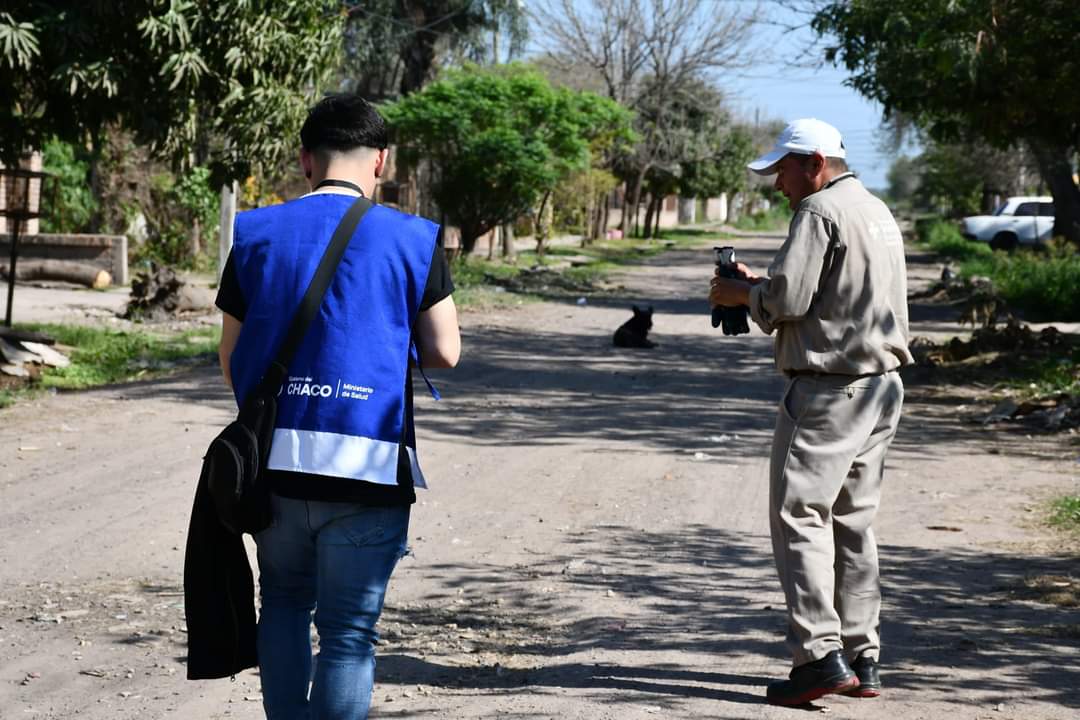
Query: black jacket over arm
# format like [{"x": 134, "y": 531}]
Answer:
[{"x": 219, "y": 596}]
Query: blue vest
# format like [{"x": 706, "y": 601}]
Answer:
[{"x": 341, "y": 411}]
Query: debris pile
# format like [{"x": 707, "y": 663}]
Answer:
[
  {"x": 1003, "y": 354},
  {"x": 161, "y": 295},
  {"x": 1015, "y": 339},
  {"x": 976, "y": 299},
  {"x": 24, "y": 354}
]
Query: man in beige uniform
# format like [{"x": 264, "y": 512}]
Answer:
[{"x": 836, "y": 296}]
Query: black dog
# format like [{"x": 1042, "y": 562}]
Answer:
[{"x": 633, "y": 333}]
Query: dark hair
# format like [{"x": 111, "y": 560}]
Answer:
[{"x": 343, "y": 122}]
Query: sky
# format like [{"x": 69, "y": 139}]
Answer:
[{"x": 773, "y": 89}]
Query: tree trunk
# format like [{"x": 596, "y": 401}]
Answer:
[
  {"x": 541, "y": 228},
  {"x": 657, "y": 215},
  {"x": 228, "y": 217},
  {"x": 604, "y": 222},
  {"x": 1056, "y": 169},
  {"x": 508, "y": 241},
  {"x": 649, "y": 216},
  {"x": 635, "y": 201},
  {"x": 624, "y": 226},
  {"x": 195, "y": 236},
  {"x": 65, "y": 270}
]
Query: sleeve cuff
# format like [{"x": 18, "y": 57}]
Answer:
[{"x": 757, "y": 308}]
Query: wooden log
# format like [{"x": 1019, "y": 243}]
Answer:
[
  {"x": 65, "y": 270},
  {"x": 12, "y": 335}
]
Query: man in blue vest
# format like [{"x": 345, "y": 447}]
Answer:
[{"x": 343, "y": 464}]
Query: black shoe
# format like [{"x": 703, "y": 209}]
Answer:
[
  {"x": 830, "y": 674},
  {"x": 866, "y": 668}
]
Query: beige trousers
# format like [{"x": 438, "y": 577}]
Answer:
[{"x": 828, "y": 457}]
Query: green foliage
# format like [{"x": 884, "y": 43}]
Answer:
[
  {"x": 964, "y": 69},
  {"x": 574, "y": 196},
  {"x": 723, "y": 167},
  {"x": 777, "y": 217},
  {"x": 424, "y": 35},
  {"x": 972, "y": 71},
  {"x": 177, "y": 204},
  {"x": 1046, "y": 285},
  {"x": 1050, "y": 376},
  {"x": 945, "y": 239},
  {"x": 225, "y": 84},
  {"x": 903, "y": 179},
  {"x": 499, "y": 139},
  {"x": 951, "y": 180},
  {"x": 1065, "y": 512},
  {"x": 105, "y": 356},
  {"x": 74, "y": 205}
]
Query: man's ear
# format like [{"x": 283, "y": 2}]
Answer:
[
  {"x": 380, "y": 162},
  {"x": 306, "y": 162}
]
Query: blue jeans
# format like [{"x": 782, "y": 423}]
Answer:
[{"x": 336, "y": 559}]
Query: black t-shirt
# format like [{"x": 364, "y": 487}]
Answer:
[{"x": 305, "y": 486}]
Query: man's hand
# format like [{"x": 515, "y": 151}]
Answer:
[
  {"x": 729, "y": 292},
  {"x": 744, "y": 272}
]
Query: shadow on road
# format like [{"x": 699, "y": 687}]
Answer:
[{"x": 951, "y": 621}]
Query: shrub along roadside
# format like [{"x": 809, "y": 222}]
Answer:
[
  {"x": 1044, "y": 283},
  {"x": 103, "y": 356},
  {"x": 945, "y": 239}
]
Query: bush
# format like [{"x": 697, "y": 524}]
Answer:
[
  {"x": 74, "y": 205},
  {"x": 1046, "y": 285},
  {"x": 945, "y": 239},
  {"x": 776, "y": 217},
  {"x": 179, "y": 206}
]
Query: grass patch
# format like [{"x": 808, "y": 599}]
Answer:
[
  {"x": 774, "y": 219},
  {"x": 945, "y": 239},
  {"x": 1065, "y": 513},
  {"x": 1045, "y": 285},
  {"x": 1049, "y": 375},
  {"x": 527, "y": 277},
  {"x": 104, "y": 356}
]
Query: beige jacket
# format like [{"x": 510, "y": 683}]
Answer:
[{"x": 837, "y": 289}]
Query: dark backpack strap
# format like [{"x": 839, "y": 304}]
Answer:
[{"x": 312, "y": 300}]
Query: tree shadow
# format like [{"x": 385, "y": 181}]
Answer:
[{"x": 953, "y": 624}]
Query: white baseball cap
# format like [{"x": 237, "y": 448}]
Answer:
[{"x": 803, "y": 137}]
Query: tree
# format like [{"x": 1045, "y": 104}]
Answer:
[
  {"x": 903, "y": 179},
  {"x": 973, "y": 70},
  {"x": 224, "y": 85},
  {"x": 723, "y": 167},
  {"x": 395, "y": 47},
  {"x": 959, "y": 179},
  {"x": 645, "y": 52},
  {"x": 499, "y": 138},
  {"x": 699, "y": 154}
]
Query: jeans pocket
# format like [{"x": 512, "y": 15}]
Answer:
[{"x": 366, "y": 528}]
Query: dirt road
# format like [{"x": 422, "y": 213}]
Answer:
[{"x": 594, "y": 544}]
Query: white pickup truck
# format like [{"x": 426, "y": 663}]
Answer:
[{"x": 1017, "y": 221}]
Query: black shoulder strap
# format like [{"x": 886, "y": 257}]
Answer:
[{"x": 312, "y": 300}]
